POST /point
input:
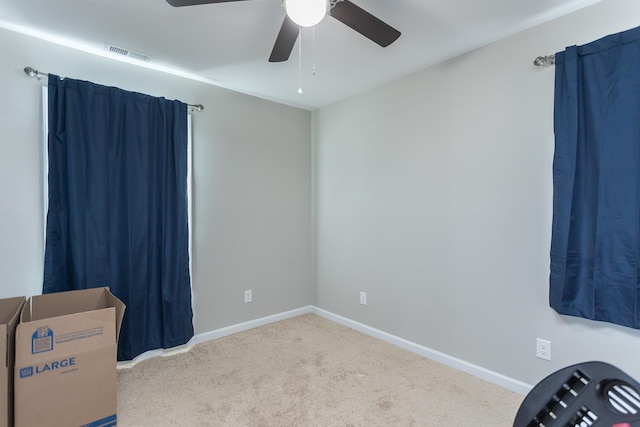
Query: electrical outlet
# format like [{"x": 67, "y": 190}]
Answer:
[
  {"x": 543, "y": 349},
  {"x": 248, "y": 295},
  {"x": 363, "y": 298}
]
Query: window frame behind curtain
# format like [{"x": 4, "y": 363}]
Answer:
[{"x": 45, "y": 180}]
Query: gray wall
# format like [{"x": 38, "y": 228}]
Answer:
[
  {"x": 252, "y": 173},
  {"x": 433, "y": 195}
]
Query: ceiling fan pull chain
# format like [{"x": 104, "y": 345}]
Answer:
[
  {"x": 299, "y": 59},
  {"x": 313, "y": 50}
]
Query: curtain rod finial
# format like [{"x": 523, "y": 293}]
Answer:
[
  {"x": 32, "y": 72},
  {"x": 544, "y": 60}
]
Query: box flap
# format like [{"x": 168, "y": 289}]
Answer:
[
  {"x": 9, "y": 315},
  {"x": 120, "y": 308},
  {"x": 58, "y": 304},
  {"x": 10, "y": 309},
  {"x": 64, "y": 303}
]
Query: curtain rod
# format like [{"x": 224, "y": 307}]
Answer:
[
  {"x": 31, "y": 72},
  {"x": 541, "y": 61}
]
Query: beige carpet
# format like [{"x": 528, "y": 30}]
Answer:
[{"x": 306, "y": 371}]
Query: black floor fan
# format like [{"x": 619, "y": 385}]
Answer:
[{"x": 590, "y": 394}]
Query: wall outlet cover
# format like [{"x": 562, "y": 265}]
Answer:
[{"x": 543, "y": 349}]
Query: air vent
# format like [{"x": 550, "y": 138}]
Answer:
[
  {"x": 623, "y": 398},
  {"x": 126, "y": 52},
  {"x": 583, "y": 418},
  {"x": 561, "y": 400}
]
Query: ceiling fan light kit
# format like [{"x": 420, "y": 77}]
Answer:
[{"x": 306, "y": 13}]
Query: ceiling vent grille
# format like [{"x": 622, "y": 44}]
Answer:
[{"x": 126, "y": 52}]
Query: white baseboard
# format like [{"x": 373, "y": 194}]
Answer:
[
  {"x": 233, "y": 329},
  {"x": 445, "y": 359},
  {"x": 217, "y": 333}
]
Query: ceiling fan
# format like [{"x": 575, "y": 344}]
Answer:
[{"x": 298, "y": 15}]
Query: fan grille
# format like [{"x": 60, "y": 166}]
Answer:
[{"x": 623, "y": 398}]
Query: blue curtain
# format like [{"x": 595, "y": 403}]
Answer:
[
  {"x": 117, "y": 212},
  {"x": 595, "y": 243}
]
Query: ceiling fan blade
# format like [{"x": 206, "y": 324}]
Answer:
[
  {"x": 180, "y": 3},
  {"x": 284, "y": 42},
  {"x": 365, "y": 23}
]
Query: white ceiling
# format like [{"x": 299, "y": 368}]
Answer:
[{"x": 229, "y": 43}]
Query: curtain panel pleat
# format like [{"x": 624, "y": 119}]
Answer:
[
  {"x": 595, "y": 243},
  {"x": 118, "y": 208}
]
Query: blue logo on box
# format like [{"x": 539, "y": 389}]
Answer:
[
  {"x": 42, "y": 340},
  {"x": 26, "y": 372},
  {"x": 110, "y": 421},
  {"x": 63, "y": 364}
]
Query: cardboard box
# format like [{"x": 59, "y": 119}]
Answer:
[
  {"x": 9, "y": 314},
  {"x": 66, "y": 356}
]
